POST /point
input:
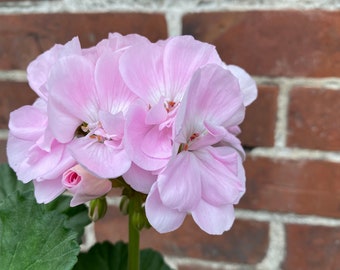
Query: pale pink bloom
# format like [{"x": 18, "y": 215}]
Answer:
[
  {"x": 159, "y": 73},
  {"x": 33, "y": 152},
  {"x": 86, "y": 108},
  {"x": 205, "y": 176},
  {"x": 38, "y": 70},
  {"x": 84, "y": 186}
]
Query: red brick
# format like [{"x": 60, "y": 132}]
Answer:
[
  {"x": 258, "y": 128},
  {"x": 309, "y": 187},
  {"x": 12, "y": 96},
  {"x": 273, "y": 43},
  {"x": 312, "y": 248},
  {"x": 3, "y": 155},
  {"x": 246, "y": 242},
  {"x": 314, "y": 119},
  {"x": 25, "y": 36}
]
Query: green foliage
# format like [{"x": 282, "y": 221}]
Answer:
[
  {"x": 37, "y": 236},
  {"x": 106, "y": 256}
]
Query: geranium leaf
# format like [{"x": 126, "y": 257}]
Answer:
[
  {"x": 106, "y": 256},
  {"x": 10, "y": 184},
  {"x": 34, "y": 238},
  {"x": 77, "y": 216}
]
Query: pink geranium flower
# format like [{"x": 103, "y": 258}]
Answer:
[
  {"x": 205, "y": 176},
  {"x": 83, "y": 185},
  {"x": 159, "y": 76},
  {"x": 87, "y": 106}
]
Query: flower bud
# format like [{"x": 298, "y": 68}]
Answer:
[
  {"x": 124, "y": 205},
  {"x": 97, "y": 208}
]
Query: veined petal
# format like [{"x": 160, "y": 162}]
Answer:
[
  {"x": 161, "y": 218},
  {"x": 72, "y": 96},
  {"x": 141, "y": 69},
  {"x": 214, "y": 219},
  {"x": 213, "y": 96},
  {"x": 183, "y": 55},
  {"x": 113, "y": 94},
  {"x": 224, "y": 154},
  {"x": 139, "y": 179},
  {"x": 220, "y": 182},
  {"x": 180, "y": 183},
  {"x": 99, "y": 158}
]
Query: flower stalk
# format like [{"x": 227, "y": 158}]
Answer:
[{"x": 134, "y": 234}]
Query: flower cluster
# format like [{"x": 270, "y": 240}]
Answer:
[{"x": 162, "y": 115}]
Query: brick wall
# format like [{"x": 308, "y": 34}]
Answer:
[{"x": 290, "y": 215}]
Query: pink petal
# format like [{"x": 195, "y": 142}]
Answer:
[
  {"x": 183, "y": 55},
  {"x": 157, "y": 113},
  {"x": 17, "y": 154},
  {"x": 135, "y": 132},
  {"x": 222, "y": 154},
  {"x": 139, "y": 179},
  {"x": 161, "y": 218},
  {"x": 220, "y": 182},
  {"x": 30, "y": 161},
  {"x": 46, "y": 191},
  {"x": 247, "y": 84},
  {"x": 72, "y": 98},
  {"x": 157, "y": 143},
  {"x": 212, "y": 219},
  {"x": 38, "y": 70},
  {"x": 99, "y": 158},
  {"x": 141, "y": 69},
  {"x": 113, "y": 124},
  {"x": 214, "y": 97},
  {"x": 180, "y": 183},
  {"x": 113, "y": 94},
  {"x": 27, "y": 123}
]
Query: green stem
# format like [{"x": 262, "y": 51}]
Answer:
[{"x": 133, "y": 248}]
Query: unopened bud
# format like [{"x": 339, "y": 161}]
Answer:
[
  {"x": 97, "y": 209},
  {"x": 124, "y": 205}
]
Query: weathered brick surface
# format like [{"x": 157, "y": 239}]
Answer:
[
  {"x": 292, "y": 186},
  {"x": 314, "y": 119},
  {"x": 12, "y": 96},
  {"x": 25, "y": 36},
  {"x": 312, "y": 247},
  {"x": 258, "y": 128},
  {"x": 273, "y": 43},
  {"x": 247, "y": 242},
  {"x": 3, "y": 156}
]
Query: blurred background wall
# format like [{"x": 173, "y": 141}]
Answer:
[{"x": 290, "y": 215}]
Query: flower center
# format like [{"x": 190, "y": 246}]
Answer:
[
  {"x": 94, "y": 131},
  {"x": 185, "y": 146}
]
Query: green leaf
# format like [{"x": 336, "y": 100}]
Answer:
[
  {"x": 77, "y": 216},
  {"x": 34, "y": 238},
  {"x": 37, "y": 236},
  {"x": 9, "y": 183},
  {"x": 106, "y": 256}
]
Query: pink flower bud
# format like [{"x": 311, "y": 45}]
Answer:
[{"x": 83, "y": 185}]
